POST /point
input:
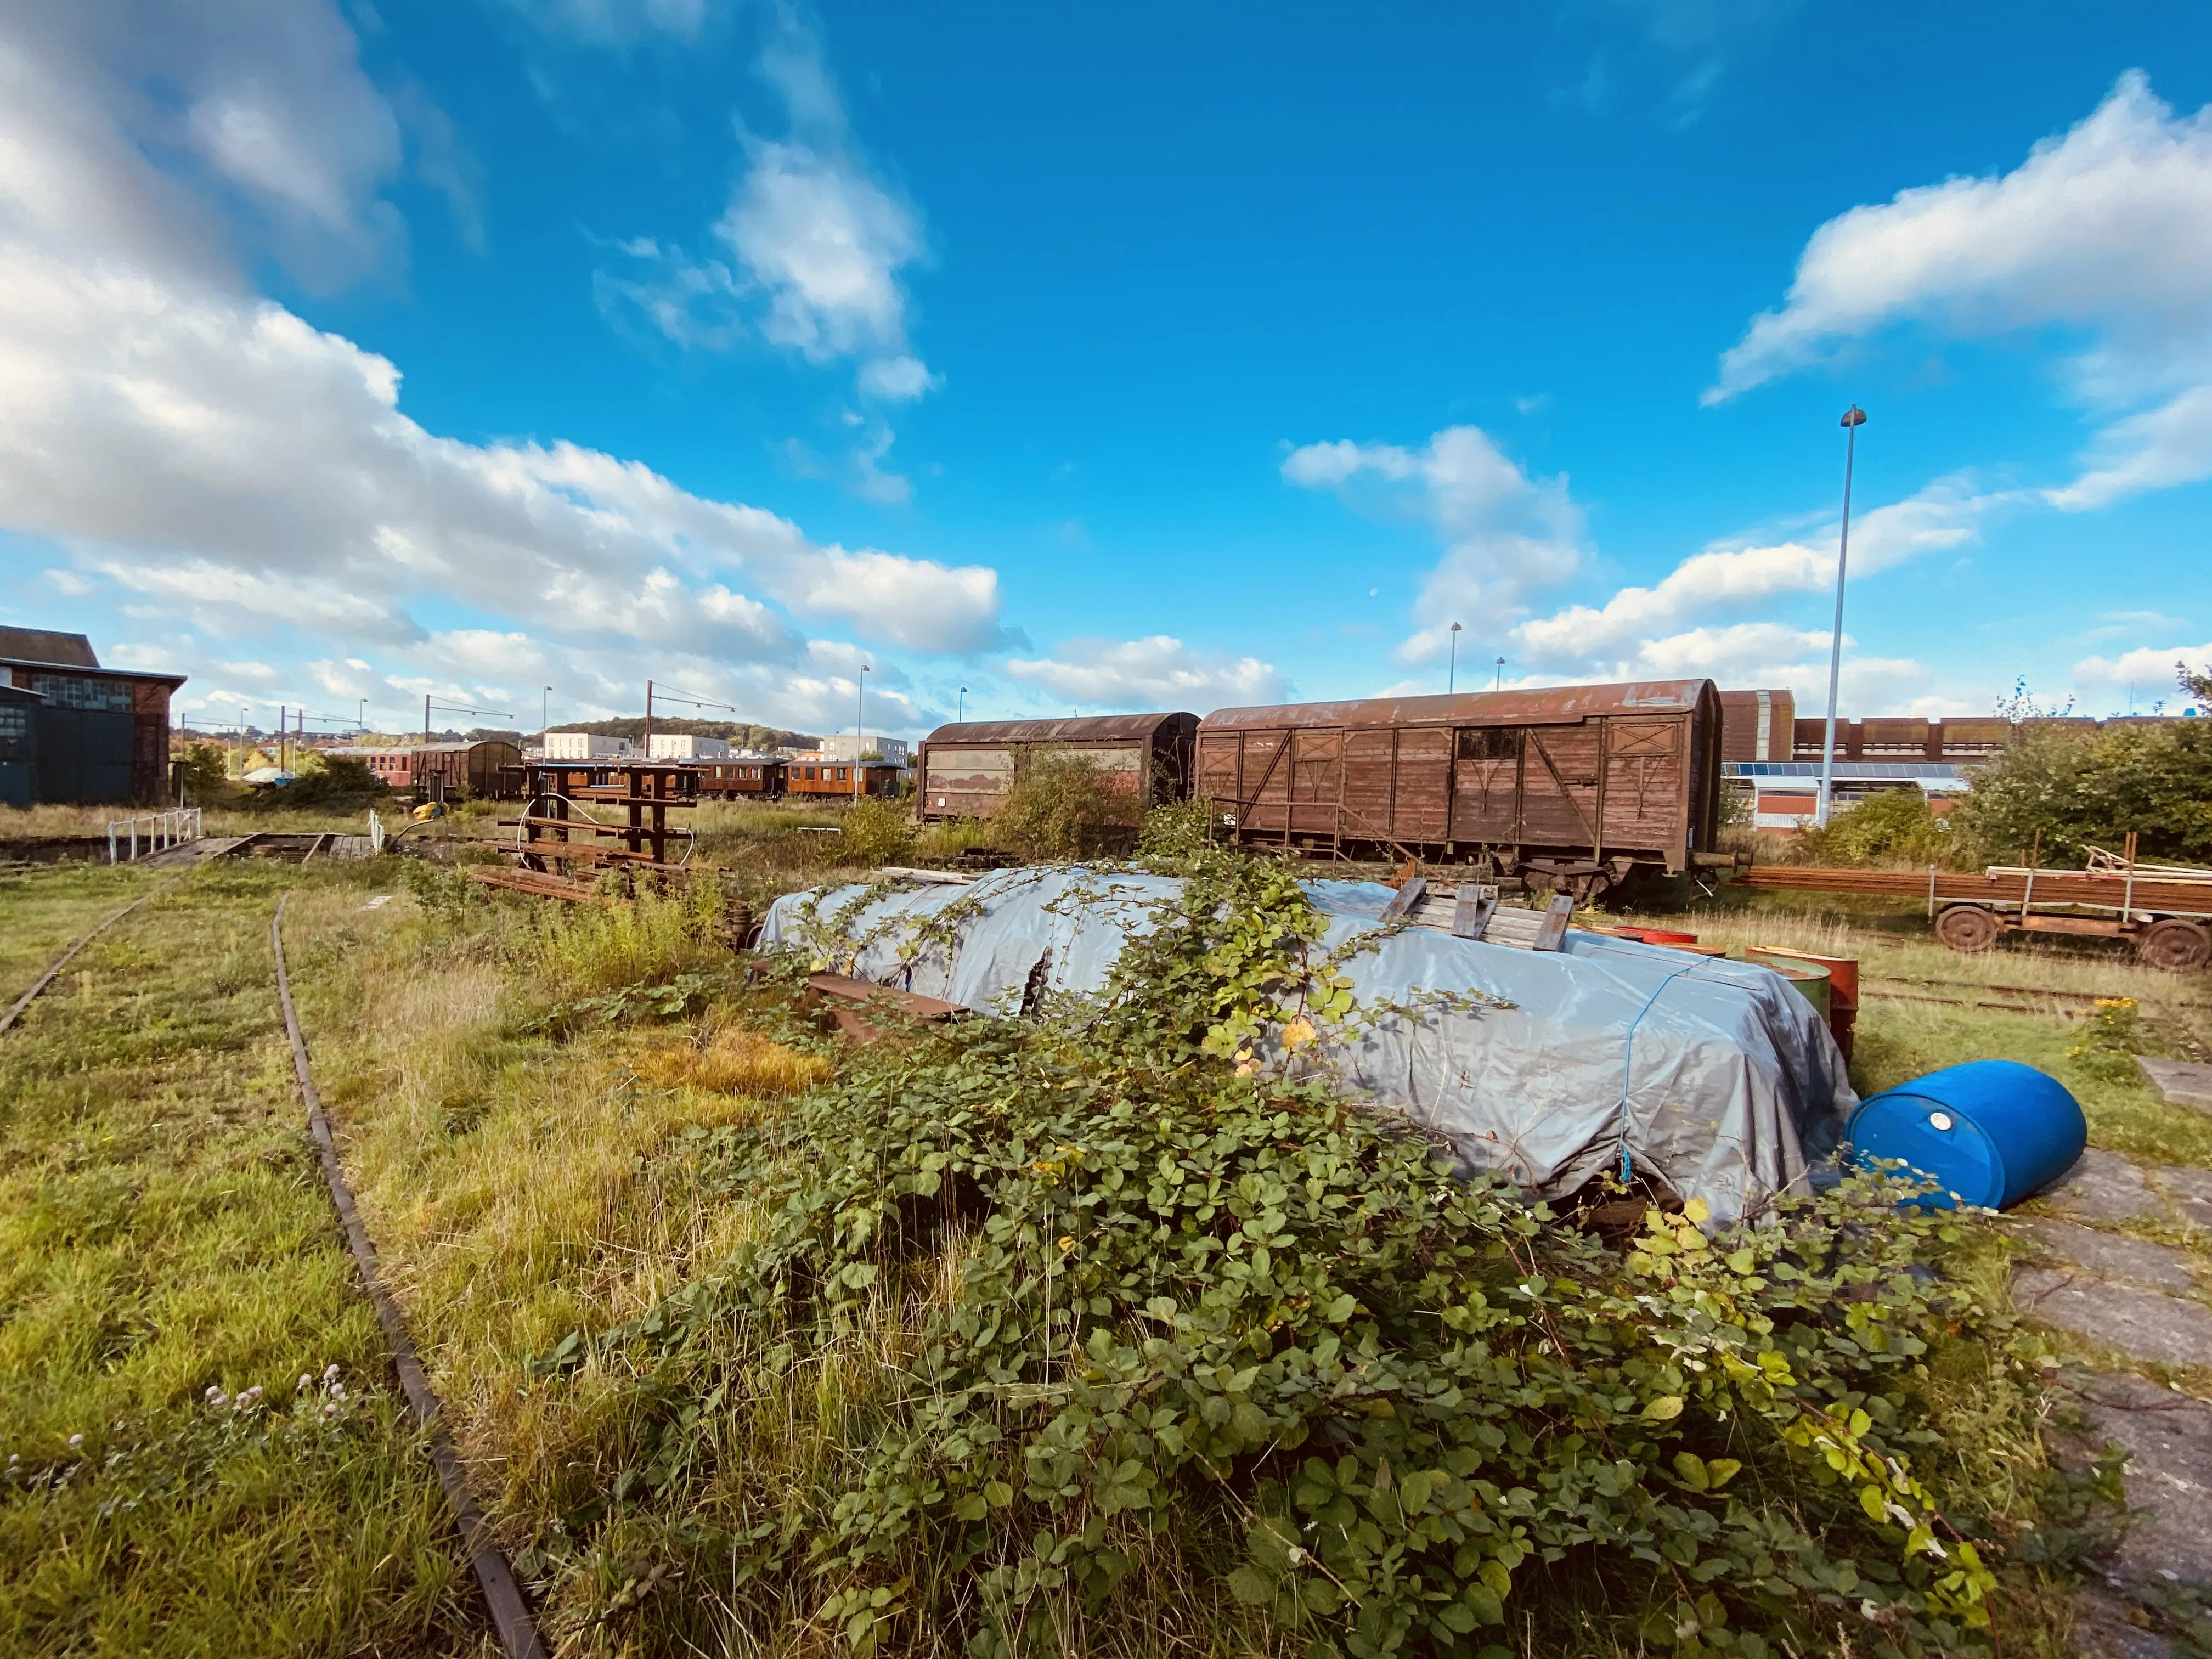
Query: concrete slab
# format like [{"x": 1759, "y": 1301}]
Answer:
[
  {"x": 2103, "y": 1628},
  {"x": 2189, "y": 1191},
  {"x": 2181, "y": 1082},
  {"x": 2109, "y": 1255},
  {"x": 2103, "y": 1186},
  {"x": 2141, "y": 1323},
  {"x": 2168, "y": 1477}
]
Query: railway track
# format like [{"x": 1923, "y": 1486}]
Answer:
[{"x": 503, "y": 1598}]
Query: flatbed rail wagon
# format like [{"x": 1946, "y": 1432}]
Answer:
[{"x": 2165, "y": 910}]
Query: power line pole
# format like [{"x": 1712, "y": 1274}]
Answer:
[
  {"x": 860, "y": 728},
  {"x": 1854, "y": 418}
]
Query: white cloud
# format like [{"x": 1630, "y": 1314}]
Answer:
[
  {"x": 898, "y": 380},
  {"x": 1142, "y": 675},
  {"x": 223, "y": 467},
  {"x": 615, "y": 22},
  {"x": 1504, "y": 534},
  {"x": 874, "y": 482},
  {"x": 816, "y": 244},
  {"x": 696, "y": 303},
  {"x": 2106, "y": 229},
  {"x": 2148, "y": 673},
  {"x": 827, "y": 242},
  {"x": 262, "y": 109},
  {"x": 1633, "y": 627}
]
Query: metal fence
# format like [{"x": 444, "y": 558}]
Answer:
[{"x": 162, "y": 829}]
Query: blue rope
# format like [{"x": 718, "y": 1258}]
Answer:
[{"x": 1628, "y": 1065}]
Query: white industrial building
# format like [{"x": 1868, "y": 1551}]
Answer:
[
  {"x": 844, "y": 746},
  {"x": 683, "y": 746},
  {"x": 586, "y": 746}
]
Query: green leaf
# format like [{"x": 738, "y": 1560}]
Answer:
[
  {"x": 1665, "y": 1409},
  {"x": 1251, "y": 1586}
]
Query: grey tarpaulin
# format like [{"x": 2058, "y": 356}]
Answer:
[{"x": 1724, "y": 1081}]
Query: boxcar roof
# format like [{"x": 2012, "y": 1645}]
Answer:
[
  {"x": 1541, "y": 705},
  {"x": 1097, "y": 728}
]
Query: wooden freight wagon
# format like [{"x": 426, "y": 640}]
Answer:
[
  {"x": 816, "y": 779},
  {"x": 965, "y": 771},
  {"x": 485, "y": 770},
  {"x": 1572, "y": 787},
  {"x": 748, "y": 776}
]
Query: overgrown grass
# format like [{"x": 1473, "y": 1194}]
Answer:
[
  {"x": 533, "y": 1192},
  {"x": 49, "y": 822},
  {"x": 164, "y": 1232},
  {"x": 45, "y": 910}
]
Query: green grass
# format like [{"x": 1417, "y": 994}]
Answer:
[
  {"x": 164, "y": 1230},
  {"x": 44, "y": 910}
]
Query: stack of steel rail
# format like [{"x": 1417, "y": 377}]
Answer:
[{"x": 2001, "y": 888}]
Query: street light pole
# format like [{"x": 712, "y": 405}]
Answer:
[
  {"x": 1498, "y": 685},
  {"x": 960, "y": 709},
  {"x": 1452, "y": 683},
  {"x": 1854, "y": 418},
  {"x": 860, "y": 726},
  {"x": 544, "y": 713}
]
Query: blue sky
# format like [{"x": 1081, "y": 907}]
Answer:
[{"x": 1142, "y": 357}]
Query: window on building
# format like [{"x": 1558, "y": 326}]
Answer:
[{"x": 75, "y": 691}]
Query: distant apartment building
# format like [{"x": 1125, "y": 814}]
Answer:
[
  {"x": 586, "y": 746},
  {"x": 845, "y": 746}
]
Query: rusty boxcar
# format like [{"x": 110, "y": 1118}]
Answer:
[
  {"x": 1571, "y": 786},
  {"x": 964, "y": 770}
]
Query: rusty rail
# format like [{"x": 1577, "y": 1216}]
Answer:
[{"x": 504, "y": 1597}]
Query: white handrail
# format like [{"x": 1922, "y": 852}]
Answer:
[{"x": 163, "y": 831}]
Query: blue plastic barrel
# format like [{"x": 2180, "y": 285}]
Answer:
[{"x": 1991, "y": 1131}]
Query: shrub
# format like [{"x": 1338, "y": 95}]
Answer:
[
  {"x": 606, "y": 946},
  {"x": 2080, "y": 789},
  {"x": 877, "y": 830},
  {"x": 1894, "y": 827},
  {"x": 1082, "y": 1335},
  {"x": 1175, "y": 834},
  {"x": 1061, "y": 805},
  {"x": 332, "y": 782},
  {"x": 207, "y": 772}
]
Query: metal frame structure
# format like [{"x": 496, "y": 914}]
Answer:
[{"x": 558, "y": 800}]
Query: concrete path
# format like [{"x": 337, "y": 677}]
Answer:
[
  {"x": 2133, "y": 1299},
  {"x": 2180, "y": 1082}
]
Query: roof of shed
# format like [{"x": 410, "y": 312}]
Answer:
[
  {"x": 39, "y": 645},
  {"x": 1094, "y": 728},
  {"x": 1545, "y": 705}
]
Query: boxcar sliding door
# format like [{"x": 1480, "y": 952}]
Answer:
[
  {"x": 1487, "y": 785},
  {"x": 1560, "y": 787},
  {"x": 1646, "y": 784}
]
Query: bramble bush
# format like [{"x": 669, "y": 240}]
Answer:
[{"x": 1158, "y": 1328}]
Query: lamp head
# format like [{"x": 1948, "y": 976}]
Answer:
[{"x": 1855, "y": 416}]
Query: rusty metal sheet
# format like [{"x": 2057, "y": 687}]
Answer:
[
  {"x": 1093, "y": 728},
  {"x": 1545, "y": 706}
]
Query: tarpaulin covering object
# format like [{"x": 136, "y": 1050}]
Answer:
[{"x": 1713, "y": 1077}]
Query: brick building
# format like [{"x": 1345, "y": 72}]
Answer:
[{"x": 79, "y": 733}]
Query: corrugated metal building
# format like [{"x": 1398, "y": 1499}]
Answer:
[
  {"x": 98, "y": 736},
  {"x": 19, "y": 746}
]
